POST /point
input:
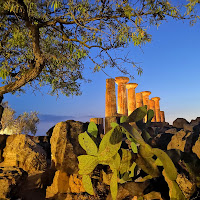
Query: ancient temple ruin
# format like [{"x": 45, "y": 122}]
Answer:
[{"x": 126, "y": 102}]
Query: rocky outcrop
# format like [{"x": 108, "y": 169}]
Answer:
[
  {"x": 11, "y": 178},
  {"x": 187, "y": 186},
  {"x": 181, "y": 140},
  {"x": 3, "y": 139},
  {"x": 65, "y": 146},
  {"x": 179, "y": 122},
  {"x": 196, "y": 148},
  {"x": 23, "y": 152},
  {"x": 60, "y": 185}
]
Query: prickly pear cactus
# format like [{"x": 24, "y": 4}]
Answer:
[{"x": 121, "y": 162}]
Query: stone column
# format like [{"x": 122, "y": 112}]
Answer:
[
  {"x": 139, "y": 102},
  {"x": 131, "y": 97},
  {"x": 152, "y": 107},
  {"x": 145, "y": 98},
  {"x": 162, "y": 116},
  {"x": 110, "y": 105},
  {"x": 157, "y": 108},
  {"x": 122, "y": 95},
  {"x": 99, "y": 123},
  {"x": 108, "y": 121}
]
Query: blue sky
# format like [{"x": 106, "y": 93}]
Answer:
[{"x": 171, "y": 70}]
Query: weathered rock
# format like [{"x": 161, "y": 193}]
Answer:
[
  {"x": 60, "y": 184},
  {"x": 75, "y": 184},
  {"x": 188, "y": 187},
  {"x": 122, "y": 194},
  {"x": 179, "y": 122},
  {"x": 65, "y": 146},
  {"x": 171, "y": 131},
  {"x": 161, "y": 140},
  {"x": 192, "y": 127},
  {"x": 153, "y": 195},
  {"x": 196, "y": 148},
  {"x": 181, "y": 140},
  {"x": 11, "y": 179},
  {"x": 23, "y": 152},
  {"x": 50, "y": 131},
  {"x": 188, "y": 127},
  {"x": 44, "y": 142},
  {"x": 3, "y": 139}
]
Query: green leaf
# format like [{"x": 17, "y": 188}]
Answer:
[
  {"x": 87, "y": 144},
  {"x": 114, "y": 124},
  {"x": 125, "y": 161},
  {"x": 87, "y": 164},
  {"x": 150, "y": 115},
  {"x": 92, "y": 129},
  {"x": 114, "y": 185},
  {"x": 168, "y": 165},
  {"x": 175, "y": 192},
  {"x": 131, "y": 169},
  {"x": 134, "y": 147},
  {"x": 158, "y": 162},
  {"x": 116, "y": 135},
  {"x": 124, "y": 178},
  {"x": 87, "y": 184},
  {"x": 123, "y": 119},
  {"x": 115, "y": 162},
  {"x": 137, "y": 114},
  {"x": 146, "y": 135},
  {"x": 106, "y": 149}
]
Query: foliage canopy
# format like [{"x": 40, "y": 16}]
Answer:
[{"x": 45, "y": 42}]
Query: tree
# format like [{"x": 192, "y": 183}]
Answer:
[
  {"x": 45, "y": 42},
  {"x": 24, "y": 123}
]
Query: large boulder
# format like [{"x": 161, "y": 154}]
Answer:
[
  {"x": 187, "y": 186},
  {"x": 196, "y": 148},
  {"x": 179, "y": 122},
  {"x": 60, "y": 185},
  {"x": 65, "y": 146},
  {"x": 23, "y": 152},
  {"x": 3, "y": 139},
  {"x": 11, "y": 180},
  {"x": 181, "y": 140}
]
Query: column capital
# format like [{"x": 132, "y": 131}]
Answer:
[
  {"x": 156, "y": 98},
  {"x": 121, "y": 80},
  {"x": 131, "y": 85},
  {"x": 146, "y": 93}
]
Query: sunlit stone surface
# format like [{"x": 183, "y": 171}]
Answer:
[
  {"x": 110, "y": 105},
  {"x": 152, "y": 107},
  {"x": 139, "y": 101},
  {"x": 162, "y": 116},
  {"x": 131, "y": 97},
  {"x": 122, "y": 95},
  {"x": 157, "y": 108}
]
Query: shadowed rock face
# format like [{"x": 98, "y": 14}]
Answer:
[
  {"x": 11, "y": 178},
  {"x": 179, "y": 122},
  {"x": 65, "y": 146}
]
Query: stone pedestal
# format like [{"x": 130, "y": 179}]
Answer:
[
  {"x": 110, "y": 104},
  {"x": 131, "y": 97},
  {"x": 99, "y": 123},
  {"x": 162, "y": 116},
  {"x": 152, "y": 107},
  {"x": 122, "y": 95},
  {"x": 109, "y": 120},
  {"x": 139, "y": 101},
  {"x": 157, "y": 108}
]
